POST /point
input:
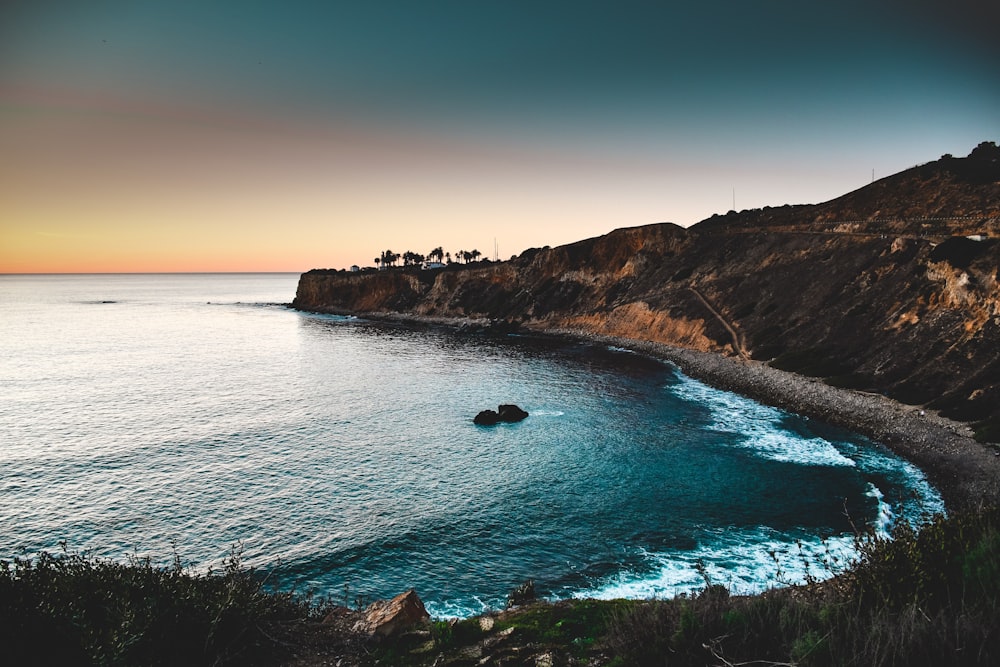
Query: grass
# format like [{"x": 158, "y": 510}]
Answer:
[
  {"x": 927, "y": 597},
  {"x": 920, "y": 598},
  {"x": 72, "y": 610}
]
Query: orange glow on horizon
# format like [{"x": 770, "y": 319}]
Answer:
[{"x": 112, "y": 194}]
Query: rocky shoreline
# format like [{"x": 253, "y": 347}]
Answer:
[{"x": 965, "y": 472}]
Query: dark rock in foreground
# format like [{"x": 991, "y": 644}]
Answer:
[
  {"x": 382, "y": 618},
  {"x": 504, "y": 413}
]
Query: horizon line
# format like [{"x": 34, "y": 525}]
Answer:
[{"x": 138, "y": 273}]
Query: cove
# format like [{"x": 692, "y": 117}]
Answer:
[
  {"x": 629, "y": 479},
  {"x": 162, "y": 415}
]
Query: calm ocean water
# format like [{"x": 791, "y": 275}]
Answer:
[{"x": 163, "y": 414}]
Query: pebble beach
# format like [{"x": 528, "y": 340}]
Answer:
[{"x": 965, "y": 471}]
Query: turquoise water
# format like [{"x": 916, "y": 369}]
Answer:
[{"x": 162, "y": 414}]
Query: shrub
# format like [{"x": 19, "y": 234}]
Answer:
[
  {"x": 75, "y": 610},
  {"x": 927, "y": 597}
]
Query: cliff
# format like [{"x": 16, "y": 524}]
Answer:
[{"x": 892, "y": 288}]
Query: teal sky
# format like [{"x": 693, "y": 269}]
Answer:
[{"x": 289, "y": 135}]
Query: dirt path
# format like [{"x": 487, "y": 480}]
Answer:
[{"x": 737, "y": 345}]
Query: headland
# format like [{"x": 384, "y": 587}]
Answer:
[{"x": 878, "y": 311}]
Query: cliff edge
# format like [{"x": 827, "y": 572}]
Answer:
[{"x": 891, "y": 289}]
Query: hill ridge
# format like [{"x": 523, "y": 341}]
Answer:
[{"x": 891, "y": 288}]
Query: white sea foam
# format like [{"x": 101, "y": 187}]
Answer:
[
  {"x": 921, "y": 499},
  {"x": 759, "y": 427},
  {"x": 452, "y": 609},
  {"x": 745, "y": 561},
  {"x": 547, "y": 413},
  {"x": 884, "y": 516}
]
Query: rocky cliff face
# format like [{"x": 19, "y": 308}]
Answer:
[{"x": 879, "y": 290}]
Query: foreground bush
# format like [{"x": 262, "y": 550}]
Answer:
[
  {"x": 927, "y": 597},
  {"x": 920, "y": 598},
  {"x": 71, "y": 610}
]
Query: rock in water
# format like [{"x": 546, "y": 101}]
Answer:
[
  {"x": 383, "y": 618},
  {"x": 486, "y": 418},
  {"x": 505, "y": 413},
  {"x": 511, "y": 413}
]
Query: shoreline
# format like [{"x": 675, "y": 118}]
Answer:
[{"x": 965, "y": 472}]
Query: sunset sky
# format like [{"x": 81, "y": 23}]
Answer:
[{"x": 284, "y": 136}]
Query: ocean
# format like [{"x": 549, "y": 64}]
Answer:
[{"x": 190, "y": 416}]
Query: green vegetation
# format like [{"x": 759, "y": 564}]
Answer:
[
  {"x": 72, "y": 610},
  {"x": 921, "y": 598},
  {"x": 927, "y": 597}
]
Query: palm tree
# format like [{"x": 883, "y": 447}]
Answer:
[
  {"x": 475, "y": 254},
  {"x": 389, "y": 258},
  {"x": 377, "y": 262},
  {"x": 412, "y": 258},
  {"x": 438, "y": 252}
]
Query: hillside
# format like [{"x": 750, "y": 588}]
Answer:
[{"x": 889, "y": 289}]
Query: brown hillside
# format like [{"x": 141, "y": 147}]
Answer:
[{"x": 878, "y": 290}]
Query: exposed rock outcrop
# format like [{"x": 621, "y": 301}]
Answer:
[
  {"x": 892, "y": 288},
  {"x": 384, "y": 618},
  {"x": 505, "y": 413}
]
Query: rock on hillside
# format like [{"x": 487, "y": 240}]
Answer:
[{"x": 879, "y": 290}]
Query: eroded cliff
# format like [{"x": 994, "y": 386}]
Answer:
[{"x": 892, "y": 288}]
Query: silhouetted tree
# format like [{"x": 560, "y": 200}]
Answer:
[
  {"x": 412, "y": 258},
  {"x": 389, "y": 258},
  {"x": 438, "y": 253},
  {"x": 987, "y": 150}
]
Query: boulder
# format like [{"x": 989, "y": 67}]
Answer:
[
  {"x": 505, "y": 413},
  {"x": 522, "y": 595},
  {"x": 511, "y": 413},
  {"x": 486, "y": 418},
  {"x": 384, "y": 618}
]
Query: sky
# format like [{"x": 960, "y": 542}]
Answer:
[{"x": 140, "y": 136}]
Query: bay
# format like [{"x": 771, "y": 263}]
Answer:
[{"x": 156, "y": 415}]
